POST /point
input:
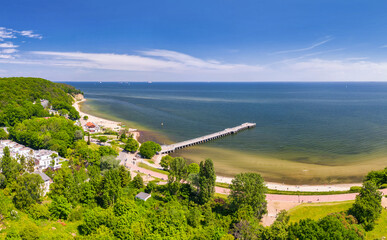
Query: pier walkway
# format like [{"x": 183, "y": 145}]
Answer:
[{"x": 165, "y": 149}]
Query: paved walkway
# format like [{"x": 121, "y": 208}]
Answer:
[{"x": 131, "y": 164}]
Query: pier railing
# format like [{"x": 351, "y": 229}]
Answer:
[{"x": 165, "y": 149}]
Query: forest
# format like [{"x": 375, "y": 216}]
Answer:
[
  {"x": 94, "y": 197},
  {"x": 18, "y": 95}
]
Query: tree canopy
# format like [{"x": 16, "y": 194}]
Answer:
[
  {"x": 249, "y": 189},
  {"x": 149, "y": 149},
  {"x": 18, "y": 95}
]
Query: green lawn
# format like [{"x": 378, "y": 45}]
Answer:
[
  {"x": 272, "y": 191},
  {"x": 317, "y": 210},
  {"x": 380, "y": 229},
  {"x": 143, "y": 165}
]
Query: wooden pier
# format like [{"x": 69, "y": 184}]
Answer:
[{"x": 165, "y": 149}]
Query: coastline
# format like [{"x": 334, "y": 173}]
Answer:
[
  {"x": 222, "y": 179},
  {"x": 101, "y": 121}
]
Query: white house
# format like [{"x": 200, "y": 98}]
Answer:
[
  {"x": 47, "y": 181},
  {"x": 44, "y": 159}
]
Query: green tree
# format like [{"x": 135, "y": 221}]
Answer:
[
  {"x": 27, "y": 190},
  {"x": 60, "y": 208},
  {"x": 3, "y": 134},
  {"x": 131, "y": 145},
  {"x": 367, "y": 207},
  {"x": 193, "y": 168},
  {"x": 207, "y": 180},
  {"x": 138, "y": 182},
  {"x": 103, "y": 139},
  {"x": 123, "y": 136},
  {"x": 78, "y": 135},
  {"x": 165, "y": 161},
  {"x": 88, "y": 194},
  {"x": 109, "y": 162},
  {"x": 150, "y": 187},
  {"x": 249, "y": 189},
  {"x": 85, "y": 117},
  {"x": 124, "y": 175},
  {"x": 107, "y": 151},
  {"x": 178, "y": 170},
  {"x": 88, "y": 138},
  {"x": 10, "y": 167},
  {"x": 149, "y": 149},
  {"x": 111, "y": 187},
  {"x": 378, "y": 177}
]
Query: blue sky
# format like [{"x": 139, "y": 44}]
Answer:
[{"x": 180, "y": 40}]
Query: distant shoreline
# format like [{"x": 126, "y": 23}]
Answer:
[{"x": 222, "y": 179}]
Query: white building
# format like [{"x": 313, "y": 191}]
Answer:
[
  {"x": 43, "y": 158},
  {"x": 46, "y": 182}
]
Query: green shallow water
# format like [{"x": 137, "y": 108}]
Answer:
[{"x": 306, "y": 132}]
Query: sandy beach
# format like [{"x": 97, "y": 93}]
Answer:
[{"x": 114, "y": 125}]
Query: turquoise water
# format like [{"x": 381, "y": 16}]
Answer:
[{"x": 319, "y": 123}]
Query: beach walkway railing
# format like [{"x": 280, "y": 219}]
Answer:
[{"x": 165, "y": 149}]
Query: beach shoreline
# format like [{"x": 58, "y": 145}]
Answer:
[{"x": 220, "y": 179}]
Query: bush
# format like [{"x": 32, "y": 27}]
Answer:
[
  {"x": 138, "y": 182},
  {"x": 103, "y": 139},
  {"x": 149, "y": 149},
  {"x": 76, "y": 214},
  {"x": 30, "y": 232},
  {"x": 38, "y": 211},
  {"x": 355, "y": 189}
]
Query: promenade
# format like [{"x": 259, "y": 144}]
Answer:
[{"x": 166, "y": 149}]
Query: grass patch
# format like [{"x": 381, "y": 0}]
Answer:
[
  {"x": 150, "y": 161},
  {"x": 273, "y": 191},
  {"x": 380, "y": 229},
  {"x": 316, "y": 211},
  {"x": 143, "y": 165},
  {"x": 223, "y": 185},
  {"x": 219, "y": 195}
]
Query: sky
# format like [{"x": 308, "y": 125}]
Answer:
[{"x": 208, "y": 41}]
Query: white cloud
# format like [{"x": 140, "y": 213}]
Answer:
[
  {"x": 3, "y": 56},
  {"x": 30, "y": 34},
  {"x": 8, "y": 50},
  {"x": 8, "y": 45},
  {"x": 165, "y": 65},
  {"x": 153, "y": 60},
  {"x": 304, "y": 49},
  {"x": 6, "y": 33}
]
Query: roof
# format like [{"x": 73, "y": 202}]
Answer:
[
  {"x": 143, "y": 196},
  {"x": 43, "y": 175},
  {"x": 89, "y": 124}
]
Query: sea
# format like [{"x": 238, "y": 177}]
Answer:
[{"x": 305, "y": 132}]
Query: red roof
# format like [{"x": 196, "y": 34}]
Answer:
[{"x": 90, "y": 125}]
